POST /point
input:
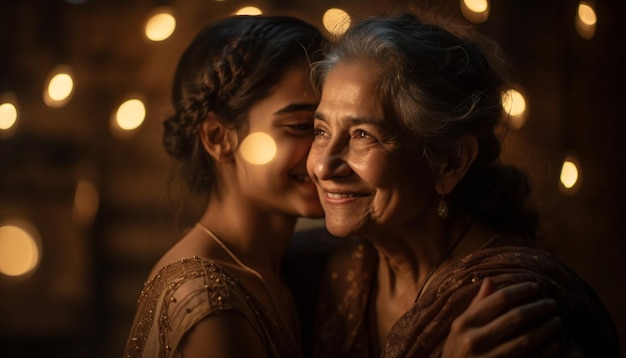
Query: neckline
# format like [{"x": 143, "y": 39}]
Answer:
[
  {"x": 256, "y": 274},
  {"x": 232, "y": 255}
]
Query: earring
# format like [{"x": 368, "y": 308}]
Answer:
[{"x": 442, "y": 208}]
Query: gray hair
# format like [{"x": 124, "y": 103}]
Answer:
[{"x": 437, "y": 87}]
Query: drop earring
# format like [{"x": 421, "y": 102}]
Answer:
[{"x": 442, "y": 208}]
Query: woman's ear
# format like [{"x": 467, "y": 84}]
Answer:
[
  {"x": 455, "y": 168},
  {"x": 218, "y": 140}
]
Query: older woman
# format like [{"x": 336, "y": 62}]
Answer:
[{"x": 405, "y": 158}]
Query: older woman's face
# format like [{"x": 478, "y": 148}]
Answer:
[{"x": 368, "y": 180}]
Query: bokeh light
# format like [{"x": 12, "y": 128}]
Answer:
[
  {"x": 130, "y": 114},
  {"x": 86, "y": 201},
  {"x": 587, "y": 14},
  {"x": 161, "y": 25},
  {"x": 336, "y": 21},
  {"x": 9, "y": 114},
  {"x": 571, "y": 175},
  {"x": 476, "y": 11},
  {"x": 586, "y": 20},
  {"x": 514, "y": 105},
  {"x": 19, "y": 248},
  {"x": 249, "y": 10},
  {"x": 258, "y": 148},
  {"x": 59, "y": 87}
]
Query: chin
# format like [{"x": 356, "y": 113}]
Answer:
[{"x": 338, "y": 230}]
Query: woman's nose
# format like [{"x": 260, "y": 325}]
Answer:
[{"x": 329, "y": 162}]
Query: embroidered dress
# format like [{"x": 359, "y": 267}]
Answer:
[
  {"x": 341, "y": 329},
  {"x": 183, "y": 293}
]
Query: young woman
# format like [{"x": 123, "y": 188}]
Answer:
[
  {"x": 405, "y": 158},
  {"x": 218, "y": 292}
]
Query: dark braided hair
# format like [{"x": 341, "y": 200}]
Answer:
[
  {"x": 230, "y": 65},
  {"x": 437, "y": 87}
]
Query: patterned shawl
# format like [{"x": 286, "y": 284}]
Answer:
[{"x": 341, "y": 329}]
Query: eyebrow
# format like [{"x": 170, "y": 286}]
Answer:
[
  {"x": 296, "y": 107},
  {"x": 355, "y": 120},
  {"x": 366, "y": 120}
]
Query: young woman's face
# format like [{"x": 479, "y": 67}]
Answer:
[
  {"x": 368, "y": 180},
  {"x": 271, "y": 159}
]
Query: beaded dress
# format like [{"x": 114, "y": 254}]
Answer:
[{"x": 183, "y": 293}]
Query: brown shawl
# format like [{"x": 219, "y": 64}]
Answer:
[{"x": 341, "y": 329}]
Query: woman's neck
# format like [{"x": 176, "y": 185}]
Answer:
[
  {"x": 257, "y": 237},
  {"x": 252, "y": 242},
  {"x": 407, "y": 261},
  {"x": 407, "y": 257}
]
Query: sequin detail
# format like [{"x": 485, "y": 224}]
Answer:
[{"x": 191, "y": 289}]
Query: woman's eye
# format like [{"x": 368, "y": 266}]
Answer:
[
  {"x": 361, "y": 134},
  {"x": 301, "y": 126},
  {"x": 319, "y": 132}
]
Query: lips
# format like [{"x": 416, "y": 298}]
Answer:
[{"x": 340, "y": 195}]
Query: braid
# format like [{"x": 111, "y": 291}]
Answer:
[{"x": 230, "y": 70}]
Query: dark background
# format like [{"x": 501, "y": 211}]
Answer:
[{"x": 81, "y": 300}]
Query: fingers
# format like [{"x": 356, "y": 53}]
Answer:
[
  {"x": 487, "y": 287},
  {"x": 510, "y": 322},
  {"x": 532, "y": 340},
  {"x": 482, "y": 311},
  {"x": 515, "y": 321}
]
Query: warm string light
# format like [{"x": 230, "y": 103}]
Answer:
[
  {"x": 336, "y": 21},
  {"x": 128, "y": 117},
  {"x": 476, "y": 11},
  {"x": 570, "y": 176},
  {"x": 160, "y": 25},
  {"x": 586, "y": 20},
  {"x": 249, "y": 10},
  {"x": 514, "y": 105},
  {"x": 9, "y": 113},
  {"x": 60, "y": 87},
  {"x": 8, "y": 116},
  {"x": 20, "y": 248}
]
